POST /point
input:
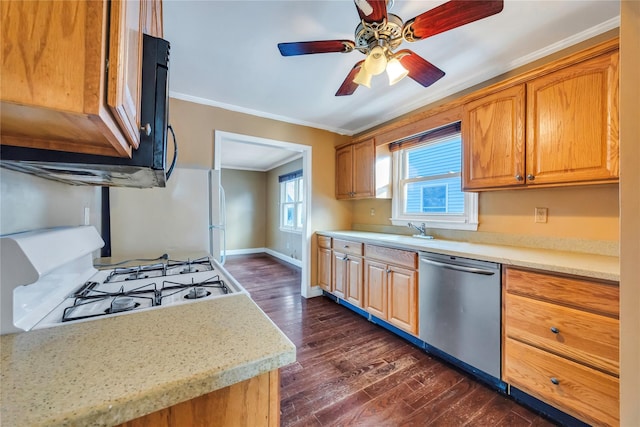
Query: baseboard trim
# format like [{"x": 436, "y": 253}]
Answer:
[
  {"x": 280, "y": 256},
  {"x": 246, "y": 251},
  {"x": 283, "y": 257}
]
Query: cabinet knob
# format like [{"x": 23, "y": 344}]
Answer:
[
  {"x": 555, "y": 330},
  {"x": 530, "y": 177},
  {"x": 554, "y": 381},
  {"x": 146, "y": 129},
  {"x": 388, "y": 271},
  {"x": 519, "y": 177},
  {"x": 346, "y": 257}
]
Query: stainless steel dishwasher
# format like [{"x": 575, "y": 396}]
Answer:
[{"x": 459, "y": 309}]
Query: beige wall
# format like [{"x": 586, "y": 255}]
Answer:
[
  {"x": 246, "y": 204},
  {"x": 630, "y": 213},
  {"x": 28, "y": 202},
  {"x": 589, "y": 212},
  {"x": 195, "y": 124},
  {"x": 286, "y": 243}
]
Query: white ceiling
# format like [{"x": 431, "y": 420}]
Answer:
[{"x": 224, "y": 53}]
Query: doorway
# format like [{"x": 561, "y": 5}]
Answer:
[{"x": 257, "y": 154}]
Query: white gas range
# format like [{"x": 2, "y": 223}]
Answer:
[{"x": 48, "y": 279}]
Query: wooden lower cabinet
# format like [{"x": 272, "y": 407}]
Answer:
[
  {"x": 581, "y": 391},
  {"x": 347, "y": 277},
  {"x": 324, "y": 263},
  {"x": 403, "y": 299},
  {"x": 561, "y": 342},
  {"x": 376, "y": 289},
  {"x": 391, "y": 293},
  {"x": 251, "y": 403}
]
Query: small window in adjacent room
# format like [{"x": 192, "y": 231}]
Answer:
[
  {"x": 427, "y": 181},
  {"x": 291, "y": 198}
]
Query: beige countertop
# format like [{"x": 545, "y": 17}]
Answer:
[
  {"x": 104, "y": 372},
  {"x": 575, "y": 263}
]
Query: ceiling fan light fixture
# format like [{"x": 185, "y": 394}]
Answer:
[
  {"x": 395, "y": 71},
  {"x": 363, "y": 78},
  {"x": 376, "y": 61}
]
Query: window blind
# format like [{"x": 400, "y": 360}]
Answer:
[
  {"x": 289, "y": 176},
  {"x": 426, "y": 137}
]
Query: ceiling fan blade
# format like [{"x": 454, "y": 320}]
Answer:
[
  {"x": 371, "y": 11},
  {"x": 321, "y": 46},
  {"x": 447, "y": 16},
  {"x": 348, "y": 86},
  {"x": 419, "y": 69}
]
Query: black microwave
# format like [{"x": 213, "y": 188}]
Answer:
[{"x": 147, "y": 166}]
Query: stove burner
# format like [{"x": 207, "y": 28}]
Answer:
[
  {"x": 197, "y": 292},
  {"x": 188, "y": 269},
  {"x": 122, "y": 304}
]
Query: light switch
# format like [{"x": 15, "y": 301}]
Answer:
[{"x": 541, "y": 214}]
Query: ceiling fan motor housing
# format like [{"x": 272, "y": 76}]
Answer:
[{"x": 387, "y": 33}]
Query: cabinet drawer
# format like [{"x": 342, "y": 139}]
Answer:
[
  {"x": 581, "y": 336},
  {"x": 392, "y": 256},
  {"x": 324, "y": 242},
  {"x": 599, "y": 297},
  {"x": 347, "y": 247},
  {"x": 585, "y": 393}
]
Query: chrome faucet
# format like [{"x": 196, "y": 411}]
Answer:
[{"x": 422, "y": 229}]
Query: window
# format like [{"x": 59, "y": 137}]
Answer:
[
  {"x": 291, "y": 197},
  {"x": 427, "y": 182}
]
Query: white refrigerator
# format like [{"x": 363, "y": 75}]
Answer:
[{"x": 187, "y": 216}]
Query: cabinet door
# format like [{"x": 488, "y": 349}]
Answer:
[
  {"x": 125, "y": 66},
  {"x": 339, "y": 281},
  {"x": 152, "y": 17},
  {"x": 354, "y": 281},
  {"x": 364, "y": 157},
  {"x": 375, "y": 288},
  {"x": 403, "y": 299},
  {"x": 493, "y": 140},
  {"x": 324, "y": 269},
  {"x": 572, "y": 123},
  {"x": 344, "y": 172}
]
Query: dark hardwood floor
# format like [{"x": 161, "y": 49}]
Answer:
[{"x": 350, "y": 372}]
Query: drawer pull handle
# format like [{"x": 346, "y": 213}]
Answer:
[
  {"x": 346, "y": 246},
  {"x": 555, "y": 330},
  {"x": 555, "y": 381}
]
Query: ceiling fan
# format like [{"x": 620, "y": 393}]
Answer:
[{"x": 379, "y": 33}]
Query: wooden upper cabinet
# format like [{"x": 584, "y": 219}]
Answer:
[
  {"x": 572, "y": 123},
  {"x": 554, "y": 126},
  {"x": 355, "y": 170},
  {"x": 493, "y": 134},
  {"x": 57, "y": 91},
  {"x": 125, "y": 65},
  {"x": 344, "y": 172}
]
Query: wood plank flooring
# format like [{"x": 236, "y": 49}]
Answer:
[{"x": 350, "y": 372}]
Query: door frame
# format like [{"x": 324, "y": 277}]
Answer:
[{"x": 220, "y": 136}]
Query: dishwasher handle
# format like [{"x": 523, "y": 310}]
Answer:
[{"x": 473, "y": 270}]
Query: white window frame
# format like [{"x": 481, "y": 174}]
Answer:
[
  {"x": 298, "y": 205},
  {"x": 468, "y": 220}
]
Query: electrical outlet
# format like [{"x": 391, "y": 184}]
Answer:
[
  {"x": 373, "y": 212},
  {"x": 541, "y": 214}
]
